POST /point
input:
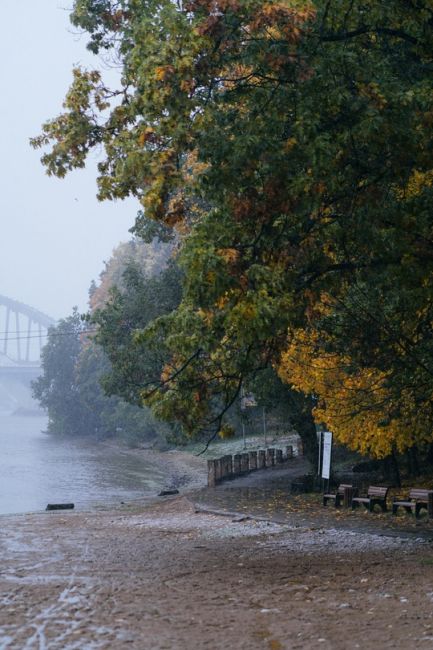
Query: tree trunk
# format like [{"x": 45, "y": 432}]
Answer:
[
  {"x": 396, "y": 469},
  {"x": 301, "y": 407},
  {"x": 415, "y": 470}
]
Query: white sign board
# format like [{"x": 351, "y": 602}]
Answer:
[{"x": 326, "y": 458}]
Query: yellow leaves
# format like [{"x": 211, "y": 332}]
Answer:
[
  {"x": 187, "y": 85},
  {"x": 206, "y": 316},
  {"x": 229, "y": 255},
  {"x": 418, "y": 181},
  {"x": 373, "y": 93},
  {"x": 249, "y": 312},
  {"x": 193, "y": 168},
  {"x": 289, "y": 144},
  {"x": 162, "y": 72},
  {"x": 354, "y": 403},
  {"x": 285, "y": 18},
  {"x": 153, "y": 200},
  {"x": 166, "y": 373},
  {"x": 329, "y": 250},
  {"x": 234, "y": 73},
  {"x": 222, "y": 300},
  {"x": 162, "y": 170},
  {"x": 175, "y": 211},
  {"x": 226, "y": 432},
  {"x": 146, "y": 135}
]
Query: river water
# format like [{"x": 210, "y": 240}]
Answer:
[{"x": 37, "y": 468}]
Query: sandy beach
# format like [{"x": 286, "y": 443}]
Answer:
[{"x": 170, "y": 575}]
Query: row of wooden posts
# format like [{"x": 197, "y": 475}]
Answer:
[{"x": 226, "y": 467}]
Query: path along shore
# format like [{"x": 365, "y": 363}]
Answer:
[{"x": 174, "y": 575}]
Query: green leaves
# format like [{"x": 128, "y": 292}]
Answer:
[{"x": 289, "y": 145}]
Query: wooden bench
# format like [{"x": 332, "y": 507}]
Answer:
[
  {"x": 417, "y": 499},
  {"x": 375, "y": 496},
  {"x": 338, "y": 497}
]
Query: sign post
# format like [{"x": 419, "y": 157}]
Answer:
[
  {"x": 319, "y": 445},
  {"x": 247, "y": 401},
  {"x": 326, "y": 455}
]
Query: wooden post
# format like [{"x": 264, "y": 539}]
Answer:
[
  {"x": 218, "y": 470},
  {"x": 347, "y": 497},
  {"x": 252, "y": 460},
  {"x": 430, "y": 504},
  {"x": 230, "y": 461},
  {"x": 237, "y": 464},
  {"x": 223, "y": 467},
  {"x": 211, "y": 473},
  {"x": 278, "y": 456},
  {"x": 270, "y": 457},
  {"x": 261, "y": 459},
  {"x": 289, "y": 452},
  {"x": 245, "y": 463}
]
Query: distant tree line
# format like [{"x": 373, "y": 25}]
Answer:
[{"x": 81, "y": 383}]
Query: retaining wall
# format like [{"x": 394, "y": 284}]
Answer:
[{"x": 227, "y": 467}]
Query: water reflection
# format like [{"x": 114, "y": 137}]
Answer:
[{"x": 36, "y": 468}]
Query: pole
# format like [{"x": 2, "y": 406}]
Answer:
[
  {"x": 243, "y": 433},
  {"x": 264, "y": 425}
]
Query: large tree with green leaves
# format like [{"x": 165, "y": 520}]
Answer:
[{"x": 290, "y": 143}]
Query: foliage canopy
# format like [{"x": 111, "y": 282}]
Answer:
[{"x": 289, "y": 142}]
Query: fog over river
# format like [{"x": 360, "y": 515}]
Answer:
[{"x": 37, "y": 468}]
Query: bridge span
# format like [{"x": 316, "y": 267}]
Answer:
[{"x": 23, "y": 333}]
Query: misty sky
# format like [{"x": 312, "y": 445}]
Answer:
[{"x": 54, "y": 233}]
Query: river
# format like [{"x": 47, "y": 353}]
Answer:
[{"x": 37, "y": 468}]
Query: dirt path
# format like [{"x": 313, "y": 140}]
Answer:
[{"x": 168, "y": 577}]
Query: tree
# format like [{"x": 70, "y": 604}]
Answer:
[
  {"x": 75, "y": 366},
  {"x": 150, "y": 257},
  {"x": 56, "y": 389},
  {"x": 305, "y": 131},
  {"x": 134, "y": 363}
]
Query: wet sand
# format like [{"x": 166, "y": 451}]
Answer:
[{"x": 168, "y": 577}]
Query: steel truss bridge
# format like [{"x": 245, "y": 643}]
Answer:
[{"x": 23, "y": 333}]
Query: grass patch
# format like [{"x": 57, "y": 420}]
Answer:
[{"x": 236, "y": 445}]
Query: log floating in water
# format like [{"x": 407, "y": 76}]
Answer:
[{"x": 60, "y": 506}]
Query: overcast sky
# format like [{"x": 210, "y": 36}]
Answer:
[{"x": 54, "y": 233}]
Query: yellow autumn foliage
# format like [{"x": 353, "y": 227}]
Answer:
[
  {"x": 229, "y": 255},
  {"x": 226, "y": 432},
  {"x": 355, "y": 403},
  {"x": 417, "y": 182}
]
